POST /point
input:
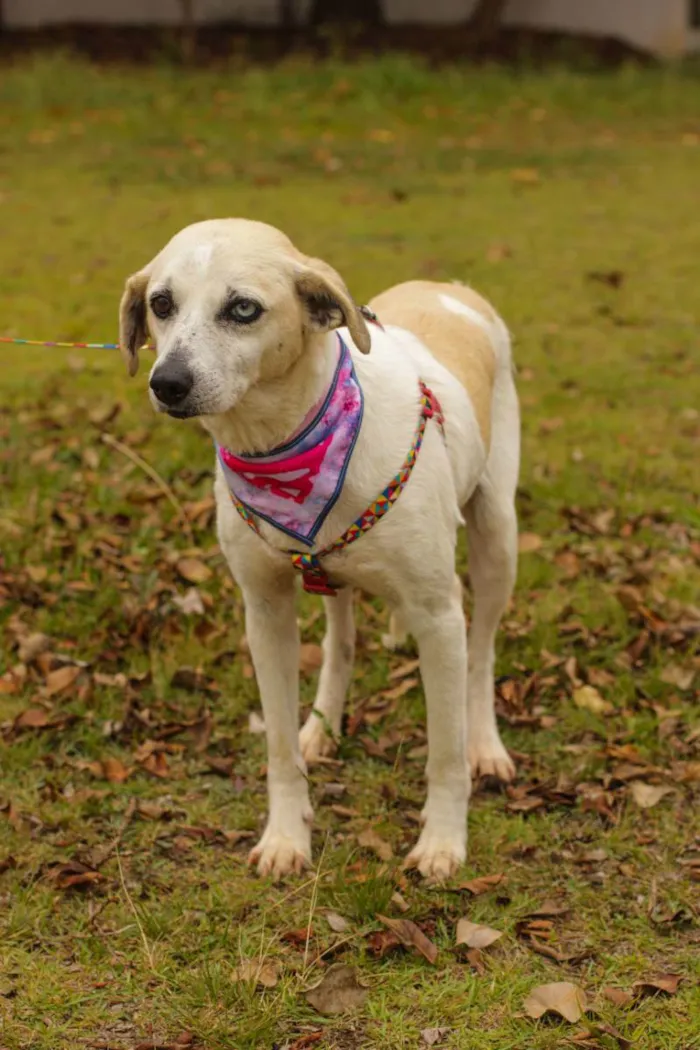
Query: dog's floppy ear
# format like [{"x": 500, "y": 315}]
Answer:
[
  {"x": 133, "y": 330},
  {"x": 328, "y": 303}
]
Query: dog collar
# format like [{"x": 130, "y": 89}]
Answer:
[
  {"x": 295, "y": 486},
  {"x": 315, "y": 579}
]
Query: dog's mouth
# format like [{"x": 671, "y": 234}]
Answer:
[{"x": 179, "y": 413}]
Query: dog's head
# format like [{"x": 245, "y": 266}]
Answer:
[{"x": 229, "y": 303}]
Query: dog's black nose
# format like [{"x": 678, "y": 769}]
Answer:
[{"x": 171, "y": 383}]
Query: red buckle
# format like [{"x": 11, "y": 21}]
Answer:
[
  {"x": 433, "y": 409},
  {"x": 318, "y": 583}
]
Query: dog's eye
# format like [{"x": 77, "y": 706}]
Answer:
[
  {"x": 245, "y": 311},
  {"x": 162, "y": 306}
]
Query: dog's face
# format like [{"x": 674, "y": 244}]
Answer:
[{"x": 229, "y": 303}]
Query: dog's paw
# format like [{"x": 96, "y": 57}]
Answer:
[
  {"x": 489, "y": 758},
  {"x": 437, "y": 856},
  {"x": 315, "y": 739},
  {"x": 279, "y": 854}
]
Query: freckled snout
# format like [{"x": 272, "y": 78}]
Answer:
[{"x": 171, "y": 382}]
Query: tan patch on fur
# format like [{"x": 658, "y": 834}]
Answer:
[{"x": 456, "y": 341}]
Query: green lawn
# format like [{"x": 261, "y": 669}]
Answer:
[{"x": 131, "y": 783}]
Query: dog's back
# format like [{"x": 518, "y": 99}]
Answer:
[{"x": 461, "y": 330}]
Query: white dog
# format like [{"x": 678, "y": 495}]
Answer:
[{"x": 322, "y": 420}]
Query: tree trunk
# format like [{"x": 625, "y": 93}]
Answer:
[
  {"x": 486, "y": 18},
  {"x": 188, "y": 31},
  {"x": 367, "y": 12},
  {"x": 287, "y": 14}
]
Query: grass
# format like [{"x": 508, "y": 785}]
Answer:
[{"x": 570, "y": 200}]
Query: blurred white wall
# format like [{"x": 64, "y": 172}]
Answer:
[{"x": 661, "y": 26}]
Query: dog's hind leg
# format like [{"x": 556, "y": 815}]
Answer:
[
  {"x": 321, "y": 732},
  {"x": 492, "y": 532},
  {"x": 397, "y": 635}
]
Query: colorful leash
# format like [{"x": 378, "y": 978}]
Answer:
[{"x": 65, "y": 346}]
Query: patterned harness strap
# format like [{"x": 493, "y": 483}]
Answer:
[{"x": 314, "y": 577}]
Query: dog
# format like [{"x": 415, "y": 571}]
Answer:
[{"x": 352, "y": 443}]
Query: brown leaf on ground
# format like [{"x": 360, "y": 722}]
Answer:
[
  {"x": 369, "y": 839},
  {"x": 222, "y": 766},
  {"x": 648, "y": 795},
  {"x": 404, "y": 670},
  {"x": 152, "y": 811},
  {"x": 528, "y": 542},
  {"x": 298, "y": 936},
  {"x": 589, "y": 699},
  {"x": 482, "y": 884},
  {"x": 114, "y": 771},
  {"x": 561, "y": 998},
  {"x": 338, "y": 992},
  {"x": 473, "y": 935},
  {"x": 74, "y": 875},
  {"x": 548, "y": 909},
  {"x": 381, "y": 942},
  {"x": 310, "y": 658},
  {"x": 33, "y": 645},
  {"x": 433, "y": 1036},
  {"x": 616, "y": 996},
  {"x": 336, "y": 922},
  {"x": 156, "y": 764},
  {"x": 193, "y": 570},
  {"x": 193, "y": 680},
  {"x": 60, "y": 680},
  {"x": 32, "y": 718},
  {"x": 661, "y": 984},
  {"x": 190, "y": 603},
  {"x": 675, "y": 674},
  {"x": 306, "y": 1040},
  {"x": 411, "y": 936},
  {"x": 262, "y": 973}
]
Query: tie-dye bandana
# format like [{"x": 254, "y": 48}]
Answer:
[{"x": 295, "y": 486}]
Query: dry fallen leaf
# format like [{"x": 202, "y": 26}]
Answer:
[
  {"x": 432, "y": 1036},
  {"x": 336, "y": 922},
  {"x": 33, "y": 645},
  {"x": 474, "y": 935},
  {"x": 616, "y": 996},
  {"x": 114, "y": 771},
  {"x": 369, "y": 839},
  {"x": 193, "y": 570},
  {"x": 589, "y": 699},
  {"x": 529, "y": 542},
  {"x": 310, "y": 658},
  {"x": 190, "y": 603},
  {"x": 338, "y": 992},
  {"x": 562, "y": 998},
  {"x": 482, "y": 884},
  {"x": 32, "y": 718},
  {"x": 648, "y": 795},
  {"x": 265, "y": 973},
  {"x": 674, "y": 674},
  {"x": 60, "y": 680},
  {"x": 411, "y": 936},
  {"x": 661, "y": 984}
]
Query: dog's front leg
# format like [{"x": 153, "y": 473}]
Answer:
[
  {"x": 442, "y": 646},
  {"x": 273, "y": 637}
]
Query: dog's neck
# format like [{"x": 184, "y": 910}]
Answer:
[{"x": 271, "y": 412}]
